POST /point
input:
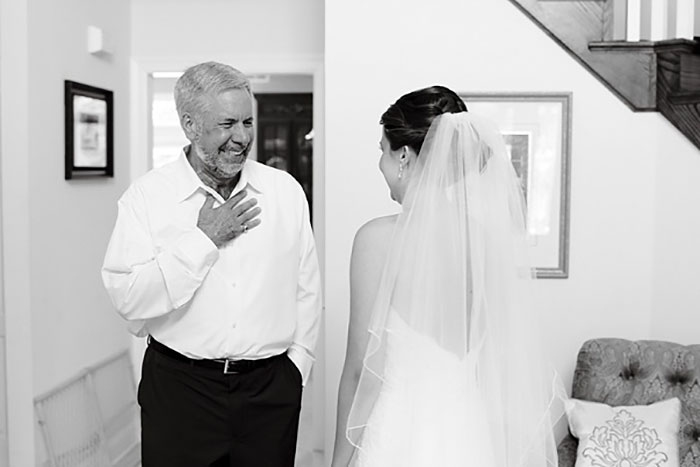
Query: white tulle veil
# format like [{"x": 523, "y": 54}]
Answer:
[{"x": 458, "y": 273}]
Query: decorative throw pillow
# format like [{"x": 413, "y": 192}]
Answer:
[{"x": 625, "y": 436}]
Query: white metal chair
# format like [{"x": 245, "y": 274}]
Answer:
[{"x": 92, "y": 419}]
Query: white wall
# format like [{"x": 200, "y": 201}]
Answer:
[
  {"x": 71, "y": 221},
  {"x": 246, "y": 28},
  {"x": 633, "y": 221},
  {"x": 676, "y": 260},
  {"x": 58, "y": 230}
]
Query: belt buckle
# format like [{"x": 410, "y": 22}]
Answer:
[{"x": 227, "y": 370}]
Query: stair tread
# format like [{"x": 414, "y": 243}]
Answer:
[{"x": 686, "y": 45}]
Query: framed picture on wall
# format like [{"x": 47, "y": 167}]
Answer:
[
  {"x": 89, "y": 131},
  {"x": 536, "y": 128}
]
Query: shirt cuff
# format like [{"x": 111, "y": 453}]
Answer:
[{"x": 302, "y": 360}]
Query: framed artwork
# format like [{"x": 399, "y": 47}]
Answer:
[
  {"x": 89, "y": 131},
  {"x": 536, "y": 128}
]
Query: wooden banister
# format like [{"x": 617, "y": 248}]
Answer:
[{"x": 661, "y": 76}]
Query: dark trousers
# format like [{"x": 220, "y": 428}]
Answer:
[{"x": 199, "y": 417}]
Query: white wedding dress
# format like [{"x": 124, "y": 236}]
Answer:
[
  {"x": 453, "y": 374},
  {"x": 428, "y": 412}
]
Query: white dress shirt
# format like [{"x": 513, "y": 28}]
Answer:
[{"x": 257, "y": 296}]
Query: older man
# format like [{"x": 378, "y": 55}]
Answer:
[{"x": 212, "y": 257}]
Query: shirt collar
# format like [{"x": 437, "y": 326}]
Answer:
[{"x": 188, "y": 182}]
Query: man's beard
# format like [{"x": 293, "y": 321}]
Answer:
[{"x": 226, "y": 163}]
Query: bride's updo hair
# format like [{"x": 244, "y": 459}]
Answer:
[{"x": 406, "y": 121}]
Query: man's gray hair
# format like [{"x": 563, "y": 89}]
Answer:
[{"x": 208, "y": 78}]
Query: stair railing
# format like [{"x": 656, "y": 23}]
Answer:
[{"x": 654, "y": 20}]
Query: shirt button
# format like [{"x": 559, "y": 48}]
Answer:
[
  {"x": 233, "y": 284},
  {"x": 233, "y": 326}
]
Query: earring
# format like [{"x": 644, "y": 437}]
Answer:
[{"x": 400, "y": 171}]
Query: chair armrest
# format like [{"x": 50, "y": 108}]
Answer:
[{"x": 567, "y": 451}]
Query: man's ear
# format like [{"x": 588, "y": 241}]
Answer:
[{"x": 189, "y": 126}]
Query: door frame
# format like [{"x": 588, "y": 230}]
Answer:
[{"x": 15, "y": 288}]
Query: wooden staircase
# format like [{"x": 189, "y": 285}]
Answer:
[{"x": 662, "y": 76}]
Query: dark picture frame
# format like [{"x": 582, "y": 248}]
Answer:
[
  {"x": 89, "y": 131},
  {"x": 536, "y": 128}
]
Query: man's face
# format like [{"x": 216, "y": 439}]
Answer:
[{"x": 226, "y": 133}]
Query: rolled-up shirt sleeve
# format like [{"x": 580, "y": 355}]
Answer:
[
  {"x": 145, "y": 281},
  {"x": 309, "y": 301}
]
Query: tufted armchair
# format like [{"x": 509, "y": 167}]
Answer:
[{"x": 621, "y": 372}]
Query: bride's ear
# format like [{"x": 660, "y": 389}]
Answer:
[{"x": 408, "y": 156}]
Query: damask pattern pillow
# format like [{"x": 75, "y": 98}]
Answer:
[{"x": 625, "y": 436}]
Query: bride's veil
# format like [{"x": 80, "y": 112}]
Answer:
[{"x": 458, "y": 273}]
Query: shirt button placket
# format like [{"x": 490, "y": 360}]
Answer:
[{"x": 233, "y": 325}]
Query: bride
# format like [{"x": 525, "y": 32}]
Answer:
[{"x": 442, "y": 367}]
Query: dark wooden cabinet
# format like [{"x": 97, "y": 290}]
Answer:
[{"x": 285, "y": 135}]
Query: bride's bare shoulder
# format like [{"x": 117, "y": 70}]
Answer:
[{"x": 376, "y": 232}]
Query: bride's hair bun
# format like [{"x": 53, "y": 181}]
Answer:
[{"x": 406, "y": 121}]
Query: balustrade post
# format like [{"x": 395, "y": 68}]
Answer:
[
  {"x": 659, "y": 20},
  {"x": 685, "y": 19},
  {"x": 634, "y": 20}
]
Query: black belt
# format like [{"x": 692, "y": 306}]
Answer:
[{"x": 226, "y": 366}]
